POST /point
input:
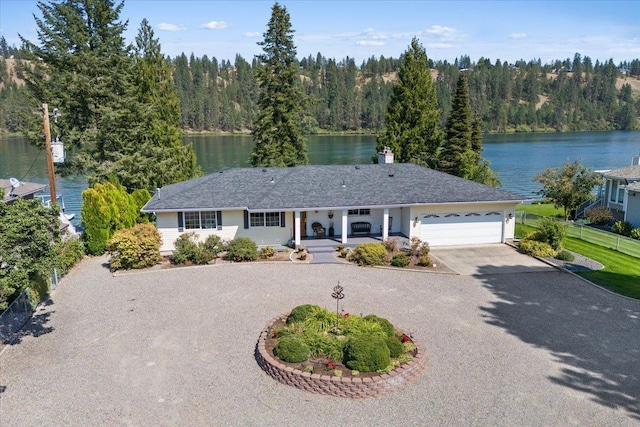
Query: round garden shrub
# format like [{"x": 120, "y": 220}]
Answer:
[
  {"x": 366, "y": 353},
  {"x": 395, "y": 346},
  {"x": 551, "y": 232},
  {"x": 369, "y": 254},
  {"x": 387, "y": 327},
  {"x": 242, "y": 249},
  {"x": 291, "y": 349},
  {"x": 302, "y": 313},
  {"x": 400, "y": 260},
  {"x": 535, "y": 248},
  {"x": 565, "y": 256}
]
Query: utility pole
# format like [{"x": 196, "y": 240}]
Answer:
[{"x": 47, "y": 143}]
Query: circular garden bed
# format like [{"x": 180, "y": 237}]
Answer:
[{"x": 339, "y": 355}]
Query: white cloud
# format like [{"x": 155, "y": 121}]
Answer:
[
  {"x": 439, "y": 45},
  {"x": 215, "y": 25},
  {"x": 251, "y": 35},
  {"x": 518, "y": 36},
  {"x": 443, "y": 33},
  {"x": 163, "y": 26},
  {"x": 369, "y": 43}
]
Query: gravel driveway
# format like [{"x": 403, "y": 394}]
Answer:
[{"x": 175, "y": 348}]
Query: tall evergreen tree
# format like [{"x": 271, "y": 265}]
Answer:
[
  {"x": 458, "y": 140},
  {"x": 412, "y": 121},
  {"x": 155, "y": 155},
  {"x": 461, "y": 152},
  {"x": 119, "y": 111},
  {"x": 277, "y": 129},
  {"x": 81, "y": 67}
]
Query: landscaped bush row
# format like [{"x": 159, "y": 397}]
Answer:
[
  {"x": 603, "y": 217},
  {"x": 388, "y": 253},
  {"x": 362, "y": 344},
  {"x": 139, "y": 247}
]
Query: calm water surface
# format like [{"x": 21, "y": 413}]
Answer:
[{"x": 516, "y": 158}]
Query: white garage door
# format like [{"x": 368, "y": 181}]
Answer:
[{"x": 467, "y": 228}]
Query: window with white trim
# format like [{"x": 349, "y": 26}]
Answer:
[
  {"x": 200, "y": 220},
  {"x": 614, "y": 190},
  {"x": 353, "y": 212},
  {"x": 264, "y": 219}
]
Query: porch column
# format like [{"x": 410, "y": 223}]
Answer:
[
  {"x": 345, "y": 217},
  {"x": 385, "y": 224},
  {"x": 296, "y": 231}
]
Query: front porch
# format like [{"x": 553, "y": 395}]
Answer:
[
  {"x": 322, "y": 248},
  {"x": 347, "y": 226}
]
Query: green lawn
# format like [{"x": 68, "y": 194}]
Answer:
[
  {"x": 541, "y": 209},
  {"x": 621, "y": 273}
]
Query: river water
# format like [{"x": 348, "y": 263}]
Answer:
[{"x": 515, "y": 158}]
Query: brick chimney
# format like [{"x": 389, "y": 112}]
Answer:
[{"x": 386, "y": 156}]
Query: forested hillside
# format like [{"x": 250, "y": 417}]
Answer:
[
  {"x": 566, "y": 95},
  {"x": 569, "y": 95}
]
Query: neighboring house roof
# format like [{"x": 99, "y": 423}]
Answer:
[
  {"x": 630, "y": 172},
  {"x": 634, "y": 186},
  {"x": 25, "y": 189},
  {"x": 332, "y": 186}
]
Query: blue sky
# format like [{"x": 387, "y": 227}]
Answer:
[{"x": 506, "y": 30}]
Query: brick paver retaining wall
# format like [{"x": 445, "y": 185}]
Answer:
[{"x": 354, "y": 388}]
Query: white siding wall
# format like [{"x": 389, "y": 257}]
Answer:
[
  {"x": 633, "y": 209},
  {"x": 505, "y": 208},
  {"x": 232, "y": 227}
]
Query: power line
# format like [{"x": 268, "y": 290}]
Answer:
[{"x": 31, "y": 167}]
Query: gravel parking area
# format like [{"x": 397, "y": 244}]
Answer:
[{"x": 176, "y": 348}]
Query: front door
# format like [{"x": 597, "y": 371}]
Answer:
[{"x": 303, "y": 224}]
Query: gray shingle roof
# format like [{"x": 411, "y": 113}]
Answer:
[
  {"x": 25, "y": 189},
  {"x": 331, "y": 186},
  {"x": 630, "y": 172}
]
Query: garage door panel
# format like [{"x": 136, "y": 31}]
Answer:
[{"x": 462, "y": 229}]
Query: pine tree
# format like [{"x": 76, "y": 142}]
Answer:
[
  {"x": 155, "y": 155},
  {"x": 277, "y": 129},
  {"x": 412, "y": 128},
  {"x": 458, "y": 139},
  {"x": 461, "y": 153}
]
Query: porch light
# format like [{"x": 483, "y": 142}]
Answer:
[{"x": 330, "y": 214}]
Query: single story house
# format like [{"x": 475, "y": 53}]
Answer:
[
  {"x": 620, "y": 192},
  {"x": 279, "y": 206},
  {"x": 14, "y": 189}
]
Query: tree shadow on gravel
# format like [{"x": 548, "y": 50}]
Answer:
[
  {"x": 35, "y": 326},
  {"x": 594, "y": 335}
]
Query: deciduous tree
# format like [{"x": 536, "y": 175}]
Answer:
[
  {"x": 568, "y": 186},
  {"x": 281, "y": 104},
  {"x": 28, "y": 231}
]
